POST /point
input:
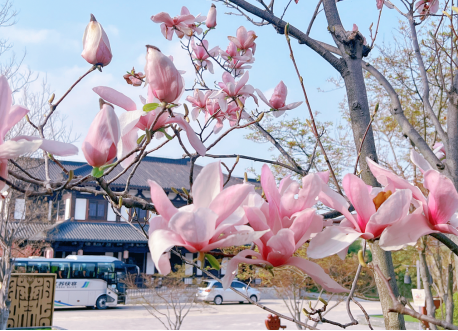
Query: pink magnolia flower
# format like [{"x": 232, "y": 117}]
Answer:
[
  {"x": 211, "y": 17},
  {"x": 163, "y": 79},
  {"x": 277, "y": 101},
  {"x": 136, "y": 119},
  {"x": 211, "y": 222},
  {"x": 376, "y": 210},
  {"x": 99, "y": 146},
  {"x": 195, "y": 28},
  {"x": 201, "y": 54},
  {"x": 199, "y": 102},
  {"x": 425, "y": 7},
  {"x": 179, "y": 24},
  {"x": 284, "y": 235},
  {"x": 231, "y": 90},
  {"x": 96, "y": 46},
  {"x": 245, "y": 39},
  {"x": 439, "y": 150},
  {"x": 235, "y": 60},
  {"x": 10, "y": 115},
  {"x": 435, "y": 214}
]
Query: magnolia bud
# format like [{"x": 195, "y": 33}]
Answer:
[
  {"x": 211, "y": 17},
  {"x": 96, "y": 46}
]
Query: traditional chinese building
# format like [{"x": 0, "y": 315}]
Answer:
[{"x": 85, "y": 224}]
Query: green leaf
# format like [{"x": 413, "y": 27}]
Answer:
[
  {"x": 169, "y": 137},
  {"x": 139, "y": 140},
  {"x": 213, "y": 261},
  {"x": 149, "y": 107},
  {"x": 97, "y": 172}
]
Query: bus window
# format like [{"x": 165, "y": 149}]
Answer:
[
  {"x": 38, "y": 267},
  {"x": 83, "y": 270},
  {"x": 61, "y": 269},
  {"x": 20, "y": 267},
  {"x": 105, "y": 271}
]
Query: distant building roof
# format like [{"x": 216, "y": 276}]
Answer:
[
  {"x": 96, "y": 232},
  {"x": 166, "y": 172}
]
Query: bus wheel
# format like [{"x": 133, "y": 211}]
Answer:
[{"x": 101, "y": 302}]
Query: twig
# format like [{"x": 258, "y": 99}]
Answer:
[
  {"x": 230, "y": 156},
  {"x": 364, "y": 137},
  {"x": 314, "y": 128},
  {"x": 446, "y": 241},
  {"x": 23, "y": 170},
  {"x": 313, "y": 17}
]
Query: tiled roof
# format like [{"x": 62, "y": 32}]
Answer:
[
  {"x": 97, "y": 232},
  {"x": 166, "y": 172},
  {"x": 29, "y": 230}
]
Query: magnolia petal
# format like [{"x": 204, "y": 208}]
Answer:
[
  {"x": 161, "y": 241},
  {"x": 127, "y": 144},
  {"x": 419, "y": 161},
  {"x": 356, "y": 191},
  {"x": 317, "y": 274},
  {"x": 406, "y": 232},
  {"x": 258, "y": 222},
  {"x": 331, "y": 241},
  {"x": 442, "y": 198},
  {"x": 117, "y": 98},
  {"x": 232, "y": 265},
  {"x": 229, "y": 199},
  {"x": 192, "y": 136},
  {"x": 282, "y": 247},
  {"x": 306, "y": 223},
  {"x": 10, "y": 117},
  {"x": 392, "y": 182},
  {"x": 392, "y": 210},
  {"x": 263, "y": 97},
  {"x": 237, "y": 239},
  {"x": 12, "y": 149},
  {"x": 157, "y": 223},
  {"x": 128, "y": 120},
  {"x": 291, "y": 105},
  {"x": 194, "y": 227},
  {"x": 161, "y": 202},
  {"x": 208, "y": 184}
]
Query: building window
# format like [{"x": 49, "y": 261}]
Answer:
[
  {"x": 19, "y": 209},
  {"x": 97, "y": 210},
  {"x": 140, "y": 214}
]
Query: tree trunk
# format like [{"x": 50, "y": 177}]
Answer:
[
  {"x": 393, "y": 321},
  {"x": 430, "y": 308},
  {"x": 449, "y": 307}
]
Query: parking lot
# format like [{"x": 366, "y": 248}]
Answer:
[{"x": 209, "y": 317}]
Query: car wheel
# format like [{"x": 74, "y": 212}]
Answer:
[
  {"x": 254, "y": 298},
  {"x": 218, "y": 300},
  {"x": 101, "y": 302}
]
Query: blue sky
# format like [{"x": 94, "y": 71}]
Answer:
[{"x": 51, "y": 33}]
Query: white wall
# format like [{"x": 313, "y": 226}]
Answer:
[
  {"x": 68, "y": 205},
  {"x": 19, "y": 209},
  {"x": 111, "y": 216},
  {"x": 80, "y": 209},
  {"x": 188, "y": 267},
  {"x": 125, "y": 214},
  {"x": 149, "y": 265}
]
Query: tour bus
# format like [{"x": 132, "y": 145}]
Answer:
[{"x": 82, "y": 280}]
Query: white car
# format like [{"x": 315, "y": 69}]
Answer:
[{"x": 212, "y": 290}]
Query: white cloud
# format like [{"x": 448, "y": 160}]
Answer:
[{"x": 40, "y": 36}]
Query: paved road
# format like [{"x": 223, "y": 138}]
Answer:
[{"x": 210, "y": 317}]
